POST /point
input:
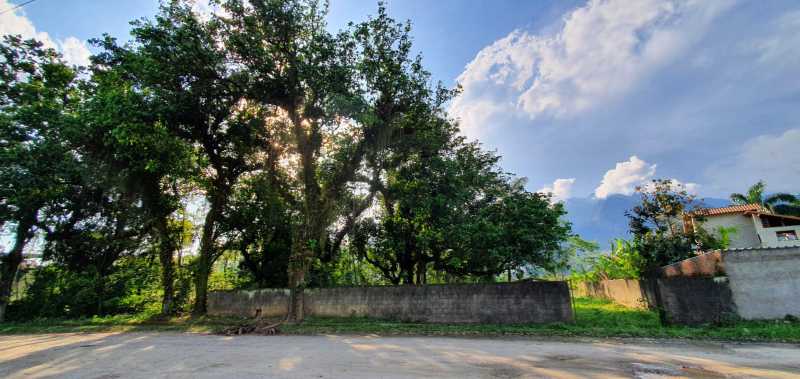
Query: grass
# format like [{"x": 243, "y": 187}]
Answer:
[
  {"x": 594, "y": 318},
  {"x": 120, "y": 323}
]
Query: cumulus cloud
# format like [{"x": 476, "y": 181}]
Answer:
[
  {"x": 625, "y": 177},
  {"x": 691, "y": 188},
  {"x": 561, "y": 189},
  {"x": 684, "y": 83},
  {"x": 602, "y": 50},
  {"x": 74, "y": 50}
]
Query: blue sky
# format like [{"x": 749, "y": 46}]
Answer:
[{"x": 585, "y": 98}]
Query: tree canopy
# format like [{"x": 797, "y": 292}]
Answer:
[{"x": 313, "y": 158}]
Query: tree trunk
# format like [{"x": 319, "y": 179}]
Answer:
[
  {"x": 206, "y": 258},
  {"x": 99, "y": 291},
  {"x": 165, "y": 255},
  {"x": 422, "y": 272},
  {"x": 201, "y": 288},
  {"x": 10, "y": 263},
  {"x": 299, "y": 262}
]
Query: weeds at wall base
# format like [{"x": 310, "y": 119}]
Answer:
[{"x": 594, "y": 319}]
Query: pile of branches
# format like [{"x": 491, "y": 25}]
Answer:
[
  {"x": 258, "y": 326},
  {"x": 253, "y": 328}
]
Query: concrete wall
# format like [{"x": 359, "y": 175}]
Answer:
[
  {"x": 769, "y": 236},
  {"x": 765, "y": 282},
  {"x": 271, "y": 302},
  {"x": 507, "y": 303},
  {"x": 679, "y": 300},
  {"x": 761, "y": 283},
  {"x": 694, "y": 300}
]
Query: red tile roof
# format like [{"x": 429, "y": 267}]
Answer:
[{"x": 746, "y": 208}]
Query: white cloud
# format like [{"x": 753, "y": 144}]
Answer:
[
  {"x": 772, "y": 158},
  {"x": 205, "y": 9},
  {"x": 561, "y": 189},
  {"x": 625, "y": 177},
  {"x": 602, "y": 51},
  {"x": 691, "y": 188},
  {"x": 74, "y": 50}
]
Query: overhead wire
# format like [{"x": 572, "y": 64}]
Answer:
[{"x": 17, "y": 6}]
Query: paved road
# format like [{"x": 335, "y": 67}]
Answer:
[{"x": 150, "y": 355}]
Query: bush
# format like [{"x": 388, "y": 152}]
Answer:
[{"x": 133, "y": 286}]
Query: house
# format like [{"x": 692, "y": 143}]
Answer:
[{"x": 755, "y": 225}]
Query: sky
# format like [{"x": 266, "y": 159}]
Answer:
[{"x": 584, "y": 98}]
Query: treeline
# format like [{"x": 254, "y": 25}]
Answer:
[{"x": 312, "y": 152}]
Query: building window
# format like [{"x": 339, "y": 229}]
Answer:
[{"x": 787, "y": 235}]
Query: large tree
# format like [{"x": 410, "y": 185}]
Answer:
[
  {"x": 122, "y": 133},
  {"x": 199, "y": 94},
  {"x": 99, "y": 222},
  {"x": 338, "y": 100},
  {"x": 449, "y": 208},
  {"x": 38, "y": 95}
]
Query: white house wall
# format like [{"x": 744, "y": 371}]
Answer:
[{"x": 745, "y": 236}]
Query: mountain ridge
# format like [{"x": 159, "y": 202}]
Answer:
[{"x": 603, "y": 220}]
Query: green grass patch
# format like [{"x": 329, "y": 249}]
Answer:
[
  {"x": 120, "y": 323},
  {"x": 594, "y": 318}
]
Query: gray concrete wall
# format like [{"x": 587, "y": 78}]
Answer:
[
  {"x": 761, "y": 283},
  {"x": 765, "y": 282},
  {"x": 271, "y": 302},
  {"x": 694, "y": 300},
  {"x": 505, "y": 303}
]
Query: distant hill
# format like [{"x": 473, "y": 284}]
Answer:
[{"x": 603, "y": 220}]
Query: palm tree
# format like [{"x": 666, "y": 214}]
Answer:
[{"x": 784, "y": 203}]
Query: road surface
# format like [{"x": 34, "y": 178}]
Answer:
[{"x": 175, "y": 355}]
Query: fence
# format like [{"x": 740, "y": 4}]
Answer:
[
  {"x": 751, "y": 284},
  {"x": 502, "y": 303}
]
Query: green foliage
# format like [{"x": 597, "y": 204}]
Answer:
[
  {"x": 257, "y": 223},
  {"x": 227, "y": 273},
  {"x": 38, "y": 96},
  {"x": 717, "y": 239},
  {"x": 57, "y": 292},
  {"x": 656, "y": 225},
  {"x": 348, "y": 269},
  {"x": 445, "y": 206},
  {"x": 623, "y": 262},
  {"x": 782, "y": 203}
]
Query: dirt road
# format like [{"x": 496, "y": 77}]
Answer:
[{"x": 151, "y": 355}]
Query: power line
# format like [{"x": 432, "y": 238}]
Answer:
[{"x": 17, "y": 6}]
